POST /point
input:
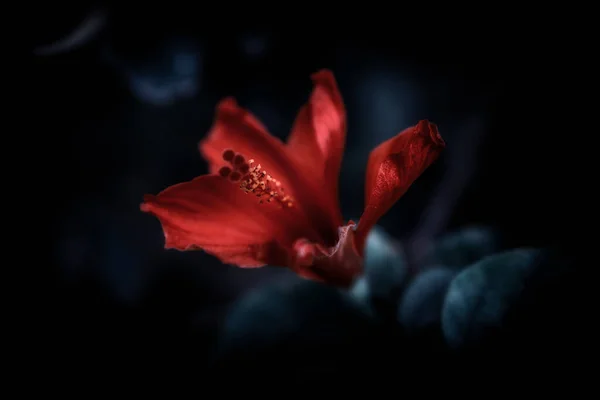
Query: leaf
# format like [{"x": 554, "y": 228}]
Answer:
[
  {"x": 385, "y": 268},
  {"x": 464, "y": 247},
  {"x": 480, "y": 296},
  {"x": 421, "y": 304},
  {"x": 293, "y": 320}
]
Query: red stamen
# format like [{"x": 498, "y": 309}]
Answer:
[
  {"x": 253, "y": 179},
  {"x": 264, "y": 186}
]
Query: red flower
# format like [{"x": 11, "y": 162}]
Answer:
[{"x": 268, "y": 202}]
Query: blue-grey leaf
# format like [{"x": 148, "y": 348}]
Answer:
[
  {"x": 385, "y": 265},
  {"x": 479, "y": 297},
  {"x": 360, "y": 291},
  {"x": 421, "y": 304},
  {"x": 291, "y": 314},
  {"x": 464, "y": 247}
]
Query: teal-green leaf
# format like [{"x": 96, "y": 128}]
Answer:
[
  {"x": 421, "y": 303},
  {"x": 463, "y": 247},
  {"x": 385, "y": 265},
  {"x": 289, "y": 314},
  {"x": 479, "y": 297}
]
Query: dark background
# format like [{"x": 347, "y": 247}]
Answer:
[{"x": 121, "y": 115}]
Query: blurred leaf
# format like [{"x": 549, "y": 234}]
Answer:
[
  {"x": 290, "y": 316},
  {"x": 385, "y": 266},
  {"x": 421, "y": 304},
  {"x": 464, "y": 247},
  {"x": 360, "y": 291},
  {"x": 480, "y": 296}
]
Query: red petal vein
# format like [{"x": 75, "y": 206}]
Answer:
[{"x": 393, "y": 166}]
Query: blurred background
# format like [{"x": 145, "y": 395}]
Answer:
[{"x": 122, "y": 96}]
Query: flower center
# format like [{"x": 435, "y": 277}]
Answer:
[{"x": 253, "y": 179}]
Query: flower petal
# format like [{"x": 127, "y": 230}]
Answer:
[
  {"x": 393, "y": 166},
  {"x": 339, "y": 265},
  {"x": 319, "y": 135},
  {"x": 237, "y": 129},
  {"x": 213, "y": 214}
]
